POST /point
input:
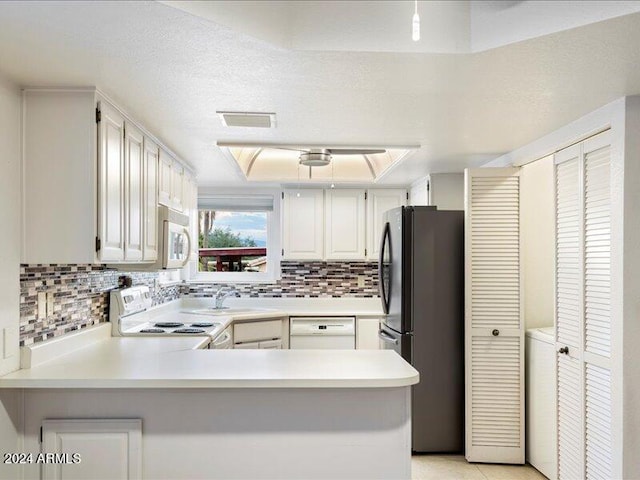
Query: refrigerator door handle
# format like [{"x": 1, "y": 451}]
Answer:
[
  {"x": 387, "y": 338},
  {"x": 386, "y": 232}
]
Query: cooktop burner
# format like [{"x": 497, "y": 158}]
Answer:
[
  {"x": 152, "y": 330},
  {"x": 168, "y": 324},
  {"x": 188, "y": 330},
  {"x": 202, "y": 324}
]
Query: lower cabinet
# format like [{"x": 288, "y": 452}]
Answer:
[
  {"x": 259, "y": 334},
  {"x": 92, "y": 448},
  {"x": 367, "y": 333}
]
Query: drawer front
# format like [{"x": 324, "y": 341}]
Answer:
[{"x": 256, "y": 331}]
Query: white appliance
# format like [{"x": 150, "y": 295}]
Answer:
[
  {"x": 130, "y": 314},
  {"x": 324, "y": 333},
  {"x": 175, "y": 240},
  {"x": 541, "y": 400}
]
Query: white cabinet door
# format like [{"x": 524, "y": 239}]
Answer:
[
  {"x": 494, "y": 334},
  {"x": 164, "y": 178},
  {"x": 111, "y": 178},
  {"x": 177, "y": 186},
  {"x": 367, "y": 333},
  {"x": 187, "y": 192},
  {"x": 378, "y": 202},
  {"x": 134, "y": 193},
  {"x": 150, "y": 215},
  {"x": 108, "y": 448},
  {"x": 344, "y": 224},
  {"x": 271, "y": 344},
  {"x": 303, "y": 225}
]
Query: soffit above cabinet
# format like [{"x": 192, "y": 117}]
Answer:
[{"x": 282, "y": 164}]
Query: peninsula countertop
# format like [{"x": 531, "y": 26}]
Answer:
[{"x": 126, "y": 362}]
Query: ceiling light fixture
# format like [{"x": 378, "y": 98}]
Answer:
[
  {"x": 315, "y": 158},
  {"x": 415, "y": 33}
]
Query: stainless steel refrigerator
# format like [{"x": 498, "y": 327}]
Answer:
[{"x": 421, "y": 278}]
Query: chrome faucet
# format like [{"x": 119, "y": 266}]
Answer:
[{"x": 222, "y": 294}]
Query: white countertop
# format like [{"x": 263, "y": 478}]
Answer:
[{"x": 161, "y": 362}]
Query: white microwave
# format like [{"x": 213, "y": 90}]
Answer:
[{"x": 175, "y": 239}]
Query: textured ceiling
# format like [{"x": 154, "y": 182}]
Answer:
[{"x": 173, "y": 70}]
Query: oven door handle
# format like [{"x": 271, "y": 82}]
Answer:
[{"x": 382, "y": 335}]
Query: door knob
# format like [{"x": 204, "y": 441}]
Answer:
[
  {"x": 564, "y": 350},
  {"x": 495, "y": 332}
]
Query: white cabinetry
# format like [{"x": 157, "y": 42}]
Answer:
[
  {"x": 108, "y": 448},
  {"x": 336, "y": 224},
  {"x": 164, "y": 179},
  {"x": 150, "y": 185},
  {"x": 266, "y": 334},
  {"x": 111, "y": 184},
  {"x": 378, "y": 202},
  {"x": 171, "y": 190},
  {"x": 303, "y": 225},
  {"x": 583, "y": 309},
  {"x": 134, "y": 200},
  {"x": 367, "y": 333},
  {"x": 177, "y": 186},
  {"x": 90, "y": 187},
  {"x": 345, "y": 224}
]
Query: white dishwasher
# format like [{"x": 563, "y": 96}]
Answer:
[{"x": 324, "y": 333}]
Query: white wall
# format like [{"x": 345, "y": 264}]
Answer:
[
  {"x": 10, "y": 215},
  {"x": 418, "y": 192},
  {"x": 446, "y": 191},
  {"x": 537, "y": 210},
  {"x": 10, "y": 219}
]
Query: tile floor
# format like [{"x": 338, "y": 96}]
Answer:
[{"x": 455, "y": 467}]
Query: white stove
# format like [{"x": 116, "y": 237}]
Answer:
[{"x": 130, "y": 314}]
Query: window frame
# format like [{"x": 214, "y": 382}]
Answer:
[{"x": 274, "y": 244}]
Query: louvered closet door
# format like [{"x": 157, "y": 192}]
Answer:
[
  {"x": 569, "y": 307},
  {"x": 583, "y": 323},
  {"x": 494, "y": 360},
  {"x": 597, "y": 301}
]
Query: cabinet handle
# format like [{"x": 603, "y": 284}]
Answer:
[
  {"x": 495, "y": 332},
  {"x": 564, "y": 350}
]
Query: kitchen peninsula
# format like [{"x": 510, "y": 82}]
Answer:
[{"x": 202, "y": 413}]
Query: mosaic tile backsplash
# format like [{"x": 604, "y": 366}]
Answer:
[
  {"x": 81, "y": 297},
  {"x": 81, "y": 292},
  {"x": 307, "y": 279}
]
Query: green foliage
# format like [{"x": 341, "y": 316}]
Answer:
[{"x": 225, "y": 238}]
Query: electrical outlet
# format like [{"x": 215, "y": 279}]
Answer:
[
  {"x": 361, "y": 280},
  {"x": 49, "y": 304},
  {"x": 42, "y": 305}
]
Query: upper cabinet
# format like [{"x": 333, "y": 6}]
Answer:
[
  {"x": 345, "y": 224},
  {"x": 92, "y": 181},
  {"x": 111, "y": 184},
  {"x": 173, "y": 176},
  {"x": 335, "y": 224},
  {"x": 133, "y": 193},
  {"x": 151, "y": 169},
  {"x": 378, "y": 202},
  {"x": 303, "y": 224}
]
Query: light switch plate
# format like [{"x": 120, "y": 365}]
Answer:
[
  {"x": 9, "y": 342},
  {"x": 42, "y": 305}
]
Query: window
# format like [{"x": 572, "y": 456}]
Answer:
[
  {"x": 238, "y": 237},
  {"x": 231, "y": 241}
]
